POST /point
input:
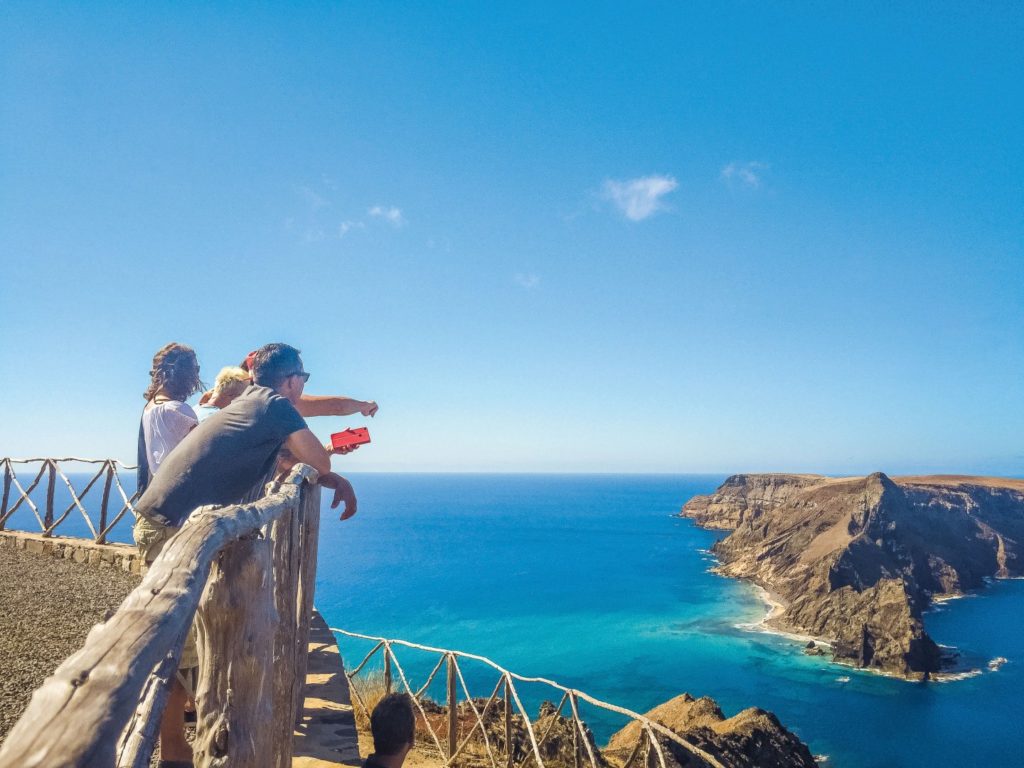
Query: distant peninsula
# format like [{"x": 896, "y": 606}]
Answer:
[{"x": 855, "y": 561}]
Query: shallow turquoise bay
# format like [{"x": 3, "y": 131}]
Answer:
[{"x": 591, "y": 581}]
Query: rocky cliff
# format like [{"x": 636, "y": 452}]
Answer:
[
  {"x": 855, "y": 561},
  {"x": 753, "y": 738}
]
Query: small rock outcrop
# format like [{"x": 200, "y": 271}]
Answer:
[
  {"x": 752, "y": 738},
  {"x": 857, "y": 560}
]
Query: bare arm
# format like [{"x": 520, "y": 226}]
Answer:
[
  {"x": 305, "y": 448},
  {"x": 334, "y": 405}
]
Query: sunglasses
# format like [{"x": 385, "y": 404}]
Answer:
[{"x": 303, "y": 374}]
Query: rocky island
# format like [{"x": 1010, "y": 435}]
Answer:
[{"x": 855, "y": 561}]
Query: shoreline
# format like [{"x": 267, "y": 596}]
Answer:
[{"x": 776, "y": 606}]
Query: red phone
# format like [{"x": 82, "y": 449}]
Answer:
[{"x": 350, "y": 437}]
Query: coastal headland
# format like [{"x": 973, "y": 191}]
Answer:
[{"x": 856, "y": 561}]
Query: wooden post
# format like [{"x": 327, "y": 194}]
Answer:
[
  {"x": 575, "y": 732},
  {"x": 236, "y": 638},
  {"x": 138, "y": 741},
  {"x": 387, "y": 669},
  {"x": 7, "y": 494},
  {"x": 285, "y": 536},
  {"x": 508, "y": 722},
  {"x": 291, "y": 640},
  {"x": 453, "y": 713},
  {"x": 51, "y": 483},
  {"x": 102, "y": 537},
  {"x": 309, "y": 504}
]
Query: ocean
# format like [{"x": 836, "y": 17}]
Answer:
[{"x": 591, "y": 580}]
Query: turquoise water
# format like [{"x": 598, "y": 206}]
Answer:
[{"x": 592, "y": 581}]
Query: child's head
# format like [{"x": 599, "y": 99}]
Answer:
[
  {"x": 393, "y": 725},
  {"x": 229, "y": 384}
]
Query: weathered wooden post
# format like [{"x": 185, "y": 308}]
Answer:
[
  {"x": 285, "y": 538},
  {"x": 105, "y": 503},
  {"x": 387, "y": 669},
  {"x": 291, "y": 555},
  {"x": 7, "y": 493},
  {"x": 51, "y": 484},
  {"x": 235, "y": 622},
  {"x": 309, "y": 504},
  {"x": 138, "y": 741},
  {"x": 575, "y": 732},
  {"x": 453, "y": 713},
  {"x": 508, "y": 721}
]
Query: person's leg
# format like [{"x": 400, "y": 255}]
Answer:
[
  {"x": 150, "y": 539},
  {"x": 173, "y": 745}
]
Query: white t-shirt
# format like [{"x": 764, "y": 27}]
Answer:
[{"x": 164, "y": 425}]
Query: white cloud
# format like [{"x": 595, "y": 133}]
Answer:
[
  {"x": 391, "y": 214},
  {"x": 746, "y": 174},
  {"x": 347, "y": 226},
  {"x": 527, "y": 280},
  {"x": 639, "y": 198},
  {"x": 314, "y": 200}
]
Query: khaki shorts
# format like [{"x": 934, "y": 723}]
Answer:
[{"x": 150, "y": 538}]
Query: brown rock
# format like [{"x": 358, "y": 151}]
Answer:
[
  {"x": 857, "y": 559},
  {"x": 751, "y": 738}
]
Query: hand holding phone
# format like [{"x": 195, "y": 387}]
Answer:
[{"x": 347, "y": 440}]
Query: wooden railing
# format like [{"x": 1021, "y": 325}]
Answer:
[
  {"x": 49, "y": 516},
  {"x": 246, "y": 574},
  {"x": 498, "y": 731}
]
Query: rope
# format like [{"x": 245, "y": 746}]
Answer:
[
  {"x": 73, "y": 459},
  {"x": 649, "y": 726},
  {"x": 53, "y": 465}
]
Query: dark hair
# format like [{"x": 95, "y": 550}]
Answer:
[
  {"x": 392, "y": 724},
  {"x": 175, "y": 371},
  {"x": 273, "y": 363}
]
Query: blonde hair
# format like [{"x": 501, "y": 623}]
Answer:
[{"x": 231, "y": 381}]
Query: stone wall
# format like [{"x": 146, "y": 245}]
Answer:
[{"x": 123, "y": 557}]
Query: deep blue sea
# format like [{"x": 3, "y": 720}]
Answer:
[{"x": 590, "y": 580}]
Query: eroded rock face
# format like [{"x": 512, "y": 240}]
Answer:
[
  {"x": 751, "y": 738},
  {"x": 857, "y": 560}
]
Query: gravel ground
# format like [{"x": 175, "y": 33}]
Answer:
[{"x": 47, "y": 607}]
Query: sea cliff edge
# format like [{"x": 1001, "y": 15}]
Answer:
[{"x": 855, "y": 561}]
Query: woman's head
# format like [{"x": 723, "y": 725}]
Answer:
[{"x": 175, "y": 373}]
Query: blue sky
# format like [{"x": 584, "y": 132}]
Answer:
[{"x": 545, "y": 237}]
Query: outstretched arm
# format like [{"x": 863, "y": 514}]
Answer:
[{"x": 334, "y": 405}]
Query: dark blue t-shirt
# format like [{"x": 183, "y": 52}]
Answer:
[{"x": 223, "y": 458}]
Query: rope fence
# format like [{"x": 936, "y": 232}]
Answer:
[
  {"x": 45, "y": 510},
  {"x": 498, "y": 731}
]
